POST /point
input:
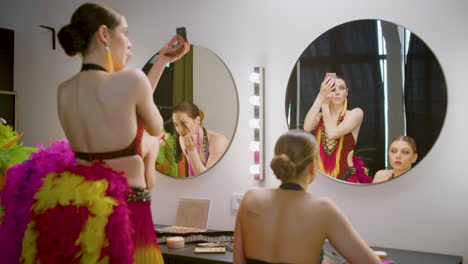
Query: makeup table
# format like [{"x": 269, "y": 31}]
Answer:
[{"x": 399, "y": 256}]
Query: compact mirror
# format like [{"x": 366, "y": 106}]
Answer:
[
  {"x": 198, "y": 101},
  {"x": 359, "y": 86}
]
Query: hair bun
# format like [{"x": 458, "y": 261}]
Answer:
[
  {"x": 202, "y": 115},
  {"x": 71, "y": 40},
  {"x": 283, "y": 167}
]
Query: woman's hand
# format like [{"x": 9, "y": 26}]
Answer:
[
  {"x": 350, "y": 159},
  {"x": 326, "y": 88},
  {"x": 162, "y": 139},
  {"x": 172, "y": 51},
  {"x": 190, "y": 142}
]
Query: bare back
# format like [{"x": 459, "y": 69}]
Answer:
[
  {"x": 287, "y": 226},
  {"x": 282, "y": 226},
  {"x": 98, "y": 114}
]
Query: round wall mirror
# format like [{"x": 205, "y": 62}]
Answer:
[
  {"x": 373, "y": 94},
  {"x": 198, "y": 101}
]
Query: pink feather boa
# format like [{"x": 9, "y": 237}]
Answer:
[{"x": 360, "y": 176}]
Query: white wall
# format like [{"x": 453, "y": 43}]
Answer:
[
  {"x": 214, "y": 92},
  {"x": 424, "y": 210}
]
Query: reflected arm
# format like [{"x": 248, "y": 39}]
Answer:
[
  {"x": 217, "y": 148},
  {"x": 313, "y": 116},
  {"x": 352, "y": 121},
  {"x": 196, "y": 162}
]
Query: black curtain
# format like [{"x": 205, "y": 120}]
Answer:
[{"x": 425, "y": 95}]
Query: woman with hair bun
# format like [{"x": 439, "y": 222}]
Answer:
[
  {"x": 87, "y": 200},
  {"x": 201, "y": 147},
  {"x": 289, "y": 224}
]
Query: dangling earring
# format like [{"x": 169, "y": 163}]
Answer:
[
  {"x": 345, "y": 106},
  {"x": 109, "y": 63}
]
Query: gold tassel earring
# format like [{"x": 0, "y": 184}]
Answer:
[
  {"x": 109, "y": 63},
  {"x": 345, "y": 106}
]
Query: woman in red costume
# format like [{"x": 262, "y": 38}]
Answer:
[
  {"x": 87, "y": 200},
  {"x": 336, "y": 129}
]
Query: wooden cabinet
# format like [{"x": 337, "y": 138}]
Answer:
[{"x": 7, "y": 93}]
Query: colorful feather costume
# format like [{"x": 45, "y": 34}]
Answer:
[{"x": 56, "y": 211}]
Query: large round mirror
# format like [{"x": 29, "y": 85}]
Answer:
[
  {"x": 198, "y": 101},
  {"x": 373, "y": 94}
]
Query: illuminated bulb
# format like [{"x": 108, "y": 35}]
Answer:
[
  {"x": 255, "y": 77},
  {"x": 254, "y": 100},
  {"x": 255, "y": 146},
  {"x": 255, "y": 169},
  {"x": 254, "y": 123}
]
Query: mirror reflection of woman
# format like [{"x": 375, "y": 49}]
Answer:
[
  {"x": 201, "y": 147},
  {"x": 402, "y": 155},
  {"x": 336, "y": 129}
]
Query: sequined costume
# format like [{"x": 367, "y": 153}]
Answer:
[{"x": 333, "y": 156}]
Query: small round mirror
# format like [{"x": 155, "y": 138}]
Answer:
[{"x": 198, "y": 101}]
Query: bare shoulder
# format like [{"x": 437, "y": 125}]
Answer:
[
  {"x": 255, "y": 195},
  {"x": 64, "y": 86},
  {"x": 382, "y": 175},
  {"x": 356, "y": 112},
  {"x": 326, "y": 205},
  {"x": 132, "y": 74},
  {"x": 325, "y": 202},
  {"x": 133, "y": 82},
  {"x": 218, "y": 137}
]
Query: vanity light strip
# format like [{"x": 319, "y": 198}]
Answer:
[{"x": 258, "y": 123}]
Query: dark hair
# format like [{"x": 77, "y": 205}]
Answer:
[
  {"x": 294, "y": 150},
  {"x": 343, "y": 79},
  {"x": 85, "y": 21},
  {"x": 190, "y": 109},
  {"x": 193, "y": 112},
  {"x": 408, "y": 140}
]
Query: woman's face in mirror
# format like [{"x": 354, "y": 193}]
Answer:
[
  {"x": 339, "y": 92},
  {"x": 185, "y": 124},
  {"x": 401, "y": 155}
]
